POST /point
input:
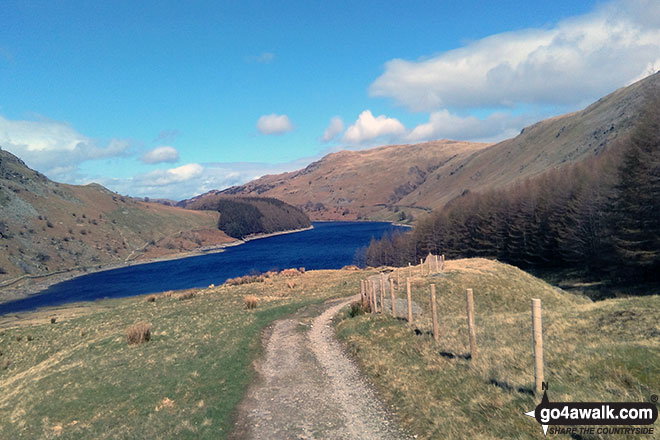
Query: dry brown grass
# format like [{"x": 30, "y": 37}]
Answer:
[
  {"x": 290, "y": 284},
  {"x": 350, "y": 267},
  {"x": 186, "y": 295},
  {"x": 247, "y": 279},
  {"x": 138, "y": 333},
  {"x": 151, "y": 298},
  {"x": 291, "y": 272},
  {"x": 251, "y": 302}
]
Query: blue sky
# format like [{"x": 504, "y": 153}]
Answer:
[{"x": 170, "y": 99}]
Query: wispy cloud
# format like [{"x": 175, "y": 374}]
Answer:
[
  {"x": 445, "y": 125},
  {"x": 576, "y": 60},
  {"x": 334, "y": 129},
  {"x": 274, "y": 124},
  {"x": 167, "y": 135},
  {"x": 160, "y": 155},
  {"x": 53, "y": 147},
  {"x": 262, "y": 58},
  {"x": 194, "y": 179}
]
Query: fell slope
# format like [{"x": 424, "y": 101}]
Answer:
[
  {"x": 352, "y": 185},
  {"x": 382, "y": 182},
  {"x": 47, "y": 226}
]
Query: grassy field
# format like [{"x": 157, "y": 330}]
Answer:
[
  {"x": 594, "y": 351},
  {"x": 78, "y": 377}
]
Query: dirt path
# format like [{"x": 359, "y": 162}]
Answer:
[{"x": 308, "y": 389}]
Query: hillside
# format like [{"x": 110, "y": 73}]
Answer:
[
  {"x": 354, "y": 185},
  {"x": 604, "y": 351},
  {"x": 382, "y": 182},
  {"x": 244, "y": 216},
  {"x": 72, "y": 376},
  {"x": 47, "y": 226}
]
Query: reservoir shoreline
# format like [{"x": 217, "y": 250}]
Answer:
[{"x": 29, "y": 285}]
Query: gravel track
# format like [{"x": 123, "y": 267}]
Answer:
[{"x": 308, "y": 389}]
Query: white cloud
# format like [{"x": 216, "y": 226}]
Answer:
[
  {"x": 53, "y": 147},
  {"x": 160, "y": 155},
  {"x": 334, "y": 129},
  {"x": 193, "y": 179},
  {"x": 367, "y": 128},
  {"x": 445, "y": 125},
  {"x": 172, "y": 176},
  {"x": 274, "y": 124},
  {"x": 577, "y": 60}
]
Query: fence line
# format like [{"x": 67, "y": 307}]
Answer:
[{"x": 436, "y": 263}]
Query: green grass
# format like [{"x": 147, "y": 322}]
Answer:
[
  {"x": 604, "y": 351},
  {"x": 78, "y": 378}
]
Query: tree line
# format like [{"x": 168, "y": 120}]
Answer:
[
  {"x": 601, "y": 215},
  {"x": 243, "y": 216}
]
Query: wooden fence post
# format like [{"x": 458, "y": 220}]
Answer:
[
  {"x": 537, "y": 336},
  {"x": 398, "y": 279},
  {"x": 367, "y": 298},
  {"x": 421, "y": 266},
  {"x": 362, "y": 290},
  {"x": 393, "y": 299},
  {"x": 434, "y": 314},
  {"x": 409, "y": 270},
  {"x": 382, "y": 293},
  {"x": 470, "y": 321},
  {"x": 375, "y": 297},
  {"x": 437, "y": 264},
  {"x": 410, "y": 317},
  {"x": 370, "y": 294}
]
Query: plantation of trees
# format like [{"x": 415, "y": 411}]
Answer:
[
  {"x": 243, "y": 216},
  {"x": 601, "y": 215}
]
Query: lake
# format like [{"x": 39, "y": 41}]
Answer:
[{"x": 330, "y": 245}]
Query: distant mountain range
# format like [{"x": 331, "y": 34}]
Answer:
[{"x": 395, "y": 182}]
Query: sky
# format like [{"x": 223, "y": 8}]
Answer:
[{"x": 171, "y": 99}]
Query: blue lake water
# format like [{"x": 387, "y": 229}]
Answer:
[{"x": 330, "y": 245}]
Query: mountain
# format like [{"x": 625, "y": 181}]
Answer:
[
  {"x": 393, "y": 182},
  {"x": 244, "y": 216},
  {"x": 354, "y": 185},
  {"x": 47, "y": 226}
]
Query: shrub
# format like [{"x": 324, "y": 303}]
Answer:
[
  {"x": 251, "y": 302},
  {"x": 357, "y": 309},
  {"x": 247, "y": 279},
  {"x": 138, "y": 333},
  {"x": 290, "y": 272},
  {"x": 151, "y": 298},
  {"x": 2, "y": 271},
  {"x": 53, "y": 320},
  {"x": 186, "y": 295}
]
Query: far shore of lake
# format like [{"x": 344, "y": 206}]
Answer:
[{"x": 25, "y": 286}]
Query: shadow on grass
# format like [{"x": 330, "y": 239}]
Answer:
[{"x": 505, "y": 386}]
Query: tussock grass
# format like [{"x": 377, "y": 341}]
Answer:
[
  {"x": 82, "y": 377},
  {"x": 251, "y": 302},
  {"x": 138, "y": 333},
  {"x": 246, "y": 279},
  {"x": 604, "y": 351}
]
